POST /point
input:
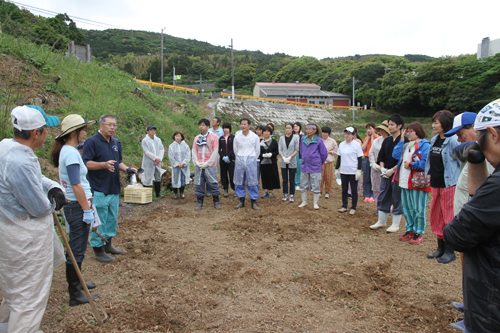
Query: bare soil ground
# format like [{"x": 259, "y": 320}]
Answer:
[{"x": 279, "y": 269}]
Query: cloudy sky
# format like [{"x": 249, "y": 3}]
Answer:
[{"x": 324, "y": 28}]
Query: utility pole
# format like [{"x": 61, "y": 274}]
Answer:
[
  {"x": 162, "y": 54},
  {"x": 200, "y": 86},
  {"x": 174, "y": 75},
  {"x": 232, "y": 70},
  {"x": 353, "y": 95}
]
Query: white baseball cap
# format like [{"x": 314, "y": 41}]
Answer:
[
  {"x": 30, "y": 117},
  {"x": 488, "y": 116}
]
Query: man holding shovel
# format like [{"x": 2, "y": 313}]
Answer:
[{"x": 29, "y": 247}]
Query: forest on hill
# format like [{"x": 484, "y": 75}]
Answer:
[{"x": 413, "y": 85}]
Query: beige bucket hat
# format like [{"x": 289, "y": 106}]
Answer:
[{"x": 72, "y": 123}]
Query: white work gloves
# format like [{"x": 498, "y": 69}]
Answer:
[
  {"x": 376, "y": 167},
  {"x": 203, "y": 165},
  {"x": 268, "y": 155},
  {"x": 358, "y": 175},
  {"x": 337, "y": 173},
  {"x": 387, "y": 173},
  {"x": 286, "y": 160},
  {"x": 88, "y": 216}
]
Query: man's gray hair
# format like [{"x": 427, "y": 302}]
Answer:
[{"x": 103, "y": 117}]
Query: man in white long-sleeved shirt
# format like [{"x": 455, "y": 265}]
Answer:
[
  {"x": 151, "y": 160},
  {"x": 246, "y": 147}
]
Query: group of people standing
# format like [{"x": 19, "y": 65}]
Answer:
[
  {"x": 399, "y": 168},
  {"x": 459, "y": 167}
]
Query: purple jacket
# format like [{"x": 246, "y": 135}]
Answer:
[{"x": 313, "y": 155}]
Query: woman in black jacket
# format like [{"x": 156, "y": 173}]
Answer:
[
  {"x": 269, "y": 163},
  {"x": 226, "y": 158}
]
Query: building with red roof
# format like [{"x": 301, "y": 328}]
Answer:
[{"x": 300, "y": 92}]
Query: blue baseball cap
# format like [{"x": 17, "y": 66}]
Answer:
[
  {"x": 150, "y": 127},
  {"x": 49, "y": 120},
  {"x": 463, "y": 119},
  {"x": 30, "y": 117}
]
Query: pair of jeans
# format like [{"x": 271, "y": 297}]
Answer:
[
  {"x": 78, "y": 231},
  {"x": 288, "y": 175}
]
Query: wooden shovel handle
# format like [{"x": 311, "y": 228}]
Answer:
[{"x": 77, "y": 269}]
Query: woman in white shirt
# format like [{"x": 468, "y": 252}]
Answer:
[{"x": 349, "y": 164}]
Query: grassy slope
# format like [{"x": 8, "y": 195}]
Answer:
[{"x": 92, "y": 90}]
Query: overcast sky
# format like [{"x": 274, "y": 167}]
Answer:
[{"x": 321, "y": 29}]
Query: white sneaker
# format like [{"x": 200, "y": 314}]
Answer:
[
  {"x": 342, "y": 210},
  {"x": 327, "y": 196},
  {"x": 352, "y": 212}
]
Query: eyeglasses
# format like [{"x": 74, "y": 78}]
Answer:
[{"x": 111, "y": 125}]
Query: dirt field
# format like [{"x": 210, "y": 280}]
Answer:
[{"x": 279, "y": 269}]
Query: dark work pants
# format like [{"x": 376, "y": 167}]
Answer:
[
  {"x": 225, "y": 170},
  {"x": 390, "y": 195},
  {"x": 288, "y": 176},
  {"x": 367, "y": 179},
  {"x": 346, "y": 180},
  {"x": 78, "y": 231},
  {"x": 212, "y": 188}
]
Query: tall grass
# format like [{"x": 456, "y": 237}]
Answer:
[{"x": 92, "y": 90}]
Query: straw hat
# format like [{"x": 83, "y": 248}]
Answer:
[
  {"x": 72, "y": 123},
  {"x": 384, "y": 126}
]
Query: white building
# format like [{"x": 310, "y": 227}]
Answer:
[{"x": 488, "y": 48}]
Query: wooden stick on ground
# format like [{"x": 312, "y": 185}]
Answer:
[{"x": 75, "y": 266}]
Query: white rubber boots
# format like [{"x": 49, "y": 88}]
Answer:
[{"x": 382, "y": 222}]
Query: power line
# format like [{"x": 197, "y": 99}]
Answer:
[{"x": 74, "y": 18}]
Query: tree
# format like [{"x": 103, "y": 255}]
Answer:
[
  {"x": 301, "y": 70},
  {"x": 243, "y": 75}
]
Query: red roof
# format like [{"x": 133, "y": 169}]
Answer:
[{"x": 288, "y": 85}]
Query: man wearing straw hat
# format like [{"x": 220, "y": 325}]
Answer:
[
  {"x": 29, "y": 246},
  {"x": 102, "y": 154}
]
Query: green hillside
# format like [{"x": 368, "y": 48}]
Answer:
[
  {"x": 412, "y": 85},
  {"x": 28, "y": 70}
]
